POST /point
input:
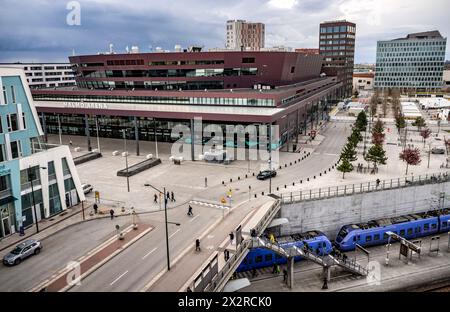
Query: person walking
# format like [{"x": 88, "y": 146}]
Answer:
[
  {"x": 285, "y": 275},
  {"x": 95, "y": 208},
  {"x": 70, "y": 142},
  {"x": 378, "y": 182},
  {"x": 155, "y": 199},
  {"x": 168, "y": 196},
  {"x": 173, "y": 197},
  {"x": 190, "y": 213},
  {"x": 111, "y": 212},
  {"x": 206, "y": 182},
  {"x": 231, "y": 237},
  {"x": 197, "y": 245}
]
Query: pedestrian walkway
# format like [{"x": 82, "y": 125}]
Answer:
[{"x": 50, "y": 226}]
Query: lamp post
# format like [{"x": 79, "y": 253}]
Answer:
[
  {"x": 31, "y": 177},
  {"x": 126, "y": 157},
  {"x": 166, "y": 222}
]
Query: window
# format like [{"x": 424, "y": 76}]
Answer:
[
  {"x": 258, "y": 259},
  {"x": 434, "y": 226},
  {"x": 24, "y": 121},
  {"x": 385, "y": 236},
  {"x": 2, "y": 153},
  {"x": 444, "y": 224},
  {"x": 12, "y": 122},
  {"x": 13, "y": 94},
  {"x": 1, "y": 126},
  {"x": 248, "y": 60},
  {"x": 410, "y": 231},
  {"x": 368, "y": 239},
  {"x": 5, "y": 98},
  {"x": 16, "y": 149},
  {"x": 277, "y": 257},
  {"x": 426, "y": 227},
  {"x": 402, "y": 233},
  {"x": 376, "y": 237},
  {"x": 292, "y": 69},
  {"x": 268, "y": 258}
]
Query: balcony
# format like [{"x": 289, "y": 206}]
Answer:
[{"x": 5, "y": 193}]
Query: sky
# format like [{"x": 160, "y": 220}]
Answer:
[{"x": 38, "y": 30}]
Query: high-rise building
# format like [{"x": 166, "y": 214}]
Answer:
[
  {"x": 37, "y": 180},
  {"x": 46, "y": 75},
  {"x": 414, "y": 62},
  {"x": 337, "y": 45},
  {"x": 243, "y": 35}
]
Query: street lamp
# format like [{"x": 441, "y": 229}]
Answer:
[
  {"x": 166, "y": 222},
  {"x": 126, "y": 157},
  {"x": 31, "y": 177}
]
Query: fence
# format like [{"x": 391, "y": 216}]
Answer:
[{"x": 371, "y": 186}]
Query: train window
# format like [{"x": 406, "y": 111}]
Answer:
[
  {"x": 368, "y": 238},
  {"x": 402, "y": 232},
  {"x": 258, "y": 259},
  {"x": 324, "y": 244},
  {"x": 354, "y": 238},
  {"x": 426, "y": 227},
  {"x": 434, "y": 226},
  {"x": 268, "y": 258},
  {"x": 245, "y": 261},
  {"x": 410, "y": 231},
  {"x": 444, "y": 224},
  {"x": 277, "y": 257},
  {"x": 376, "y": 237},
  {"x": 385, "y": 236},
  {"x": 418, "y": 229}
]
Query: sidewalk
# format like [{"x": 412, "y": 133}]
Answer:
[{"x": 51, "y": 226}]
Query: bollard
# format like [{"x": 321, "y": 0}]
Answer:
[
  {"x": 231, "y": 180},
  {"x": 239, "y": 178},
  {"x": 262, "y": 193},
  {"x": 290, "y": 164},
  {"x": 329, "y": 170},
  {"x": 301, "y": 181},
  {"x": 293, "y": 183},
  {"x": 285, "y": 165},
  {"x": 314, "y": 177},
  {"x": 253, "y": 174},
  {"x": 325, "y": 172},
  {"x": 285, "y": 186},
  {"x": 280, "y": 167},
  {"x": 246, "y": 176},
  {"x": 295, "y": 162},
  {"x": 223, "y": 182},
  {"x": 256, "y": 196},
  {"x": 320, "y": 174},
  {"x": 307, "y": 179},
  {"x": 278, "y": 188}
]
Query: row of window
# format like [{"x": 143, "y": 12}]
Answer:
[
  {"x": 337, "y": 29},
  {"x": 349, "y": 42},
  {"x": 386, "y": 84},
  {"x": 341, "y": 36},
  {"x": 154, "y": 85},
  {"x": 13, "y": 123},
  {"x": 399, "y": 79},
  {"x": 157, "y": 73},
  {"x": 415, "y": 61},
  {"x": 441, "y": 55},
  {"x": 5, "y": 95},
  {"x": 16, "y": 150},
  {"x": 412, "y": 43},
  {"x": 408, "y": 232}
]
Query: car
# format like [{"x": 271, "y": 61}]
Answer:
[
  {"x": 266, "y": 174},
  {"x": 22, "y": 251},
  {"x": 438, "y": 150},
  {"x": 87, "y": 188}
]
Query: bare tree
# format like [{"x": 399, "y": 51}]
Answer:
[{"x": 425, "y": 133}]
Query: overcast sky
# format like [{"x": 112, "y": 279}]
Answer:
[{"x": 36, "y": 30}]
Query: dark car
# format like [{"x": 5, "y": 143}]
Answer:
[
  {"x": 22, "y": 251},
  {"x": 267, "y": 174}
]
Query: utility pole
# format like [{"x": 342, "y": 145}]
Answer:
[{"x": 126, "y": 157}]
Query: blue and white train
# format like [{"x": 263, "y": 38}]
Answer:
[
  {"x": 409, "y": 226},
  {"x": 260, "y": 258}
]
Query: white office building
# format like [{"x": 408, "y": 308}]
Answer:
[{"x": 46, "y": 75}]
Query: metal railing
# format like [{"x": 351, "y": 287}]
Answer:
[{"x": 364, "y": 187}]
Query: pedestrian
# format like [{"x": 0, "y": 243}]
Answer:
[
  {"x": 95, "y": 208},
  {"x": 111, "y": 212},
  {"x": 190, "y": 213},
  {"x": 189, "y": 289},
  {"x": 206, "y": 182},
  {"x": 226, "y": 255},
  {"x": 70, "y": 142},
  {"x": 168, "y": 195},
  {"x": 254, "y": 273},
  {"x": 274, "y": 271},
  {"x": 173, "y": 197},
  {"x": 155, "y": 199},
  {"x": 278, "y": 269},
  {"x": 197, "y": 245},
  {"x": 378, "y": 182},
  {"x": 285, "y": 275},
  {"x": 231, "y": 237}
]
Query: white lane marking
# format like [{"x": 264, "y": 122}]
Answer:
[
  {"x": 210, "y": 236},
  {"x": 122, "y": 275},
  {"x": 194, "y": 218},
  {"x": 149, "y": 253},
  {"x": 331, "y": 154},
  {"x": 174, "y": 233}
]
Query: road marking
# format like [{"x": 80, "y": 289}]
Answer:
[
  {"x": 174, "y": 233},
  {"x": 149, "y": 253},
  {"x": 331, "y": 154},
  {"x": 210, "y": 236},
  {"x": 194, "y": 218},
  {"x": 122, "y": 275}
]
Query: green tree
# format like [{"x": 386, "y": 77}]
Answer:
[
  {"x": 377, "y": 155},
  {"x": 419, "y": 123},
  {"x": 400, "y": 122},
  {"x": 349, "y": 152},
  {"x": 345, "y": 166},
  {"x": 361, "y": 121},
  {"x": 355, "y": 138}
]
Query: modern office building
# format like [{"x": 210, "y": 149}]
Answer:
[
  {"x": 148, "y": 94},
  {"x": 415, "y": 62},
  {"x": 244, "y": 36},
  {"x": 27, "y": 164},
  {"x": 46, "y": 75},
  {"x": 337, "y": 45}
]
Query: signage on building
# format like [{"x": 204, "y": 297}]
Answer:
[{"x": 83, "y": 105}]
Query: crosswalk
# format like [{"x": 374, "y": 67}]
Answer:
[{"x": 206, "y": 204}]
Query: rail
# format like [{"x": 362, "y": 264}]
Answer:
[{"x": 365, "y": 187}]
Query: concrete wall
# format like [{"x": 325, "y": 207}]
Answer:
[{"x": 329, "y": 215}]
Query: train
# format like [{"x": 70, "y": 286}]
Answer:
[
  {"x": 410, "y": 226},
  {"x": 372, "y": 233},
  {"x": 258, "y": 258}
]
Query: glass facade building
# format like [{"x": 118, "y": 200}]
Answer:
[{"x": 415, "y": 62}]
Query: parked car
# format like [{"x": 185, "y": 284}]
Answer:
[
  {"x": 22, "y": 251},
  {"x": 87, "y": 188},
  {"x": 264, "y": 175},
  {"x": 438, "y": 150}
]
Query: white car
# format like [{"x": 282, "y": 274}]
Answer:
[{"x": 87, "y": 188}]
